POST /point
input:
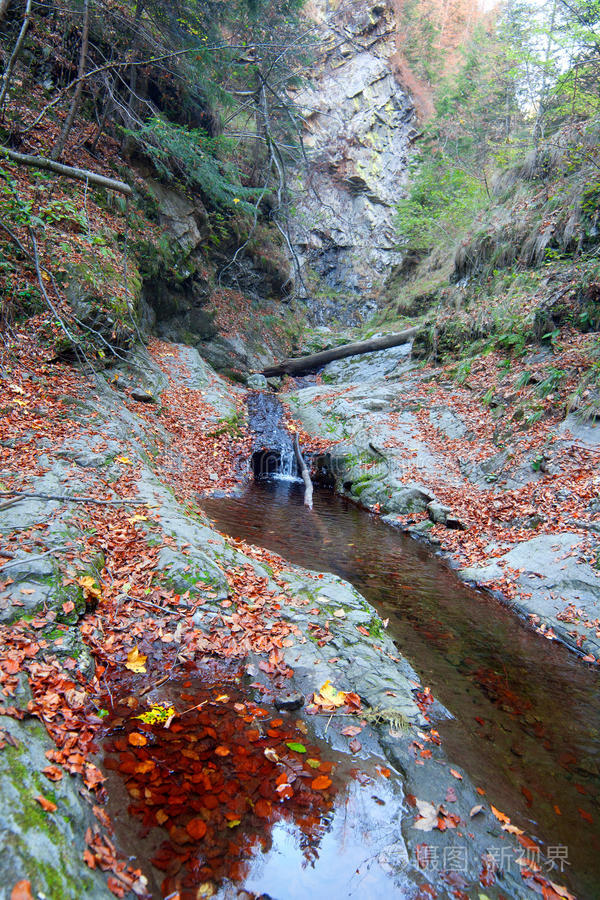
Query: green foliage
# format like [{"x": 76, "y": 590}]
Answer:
[
  {"x": 442, "y": 199},
  {"x": 198, "y": 160}
]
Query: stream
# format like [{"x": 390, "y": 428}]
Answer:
[{"x": 524, "y": 712}]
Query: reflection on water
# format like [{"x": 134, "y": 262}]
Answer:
[
  {"x": 526, "y": 714},
  {"x": 235, "y": 793}
]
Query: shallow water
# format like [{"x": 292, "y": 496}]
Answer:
[{"x": 526, "y": 713}]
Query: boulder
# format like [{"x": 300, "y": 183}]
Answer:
[{"x": 257, "y": 382}]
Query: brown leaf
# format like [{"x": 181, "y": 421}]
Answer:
[
  {"x": 137, "y": 740},
  {"x": 54, "y": 773}
]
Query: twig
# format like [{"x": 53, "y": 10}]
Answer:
[
  {"x": 156, "y": 684},
  {"x": 23, "y": 559},
  {"x": 21, "y": 495}
]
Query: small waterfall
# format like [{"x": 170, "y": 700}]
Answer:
[{"x": 273, "y": 455}]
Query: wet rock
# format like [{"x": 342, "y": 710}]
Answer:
[
  {"x": 142, "y": 396},
  {"x": 289, "y": 701},
  {"x": 257, "y": 382}
]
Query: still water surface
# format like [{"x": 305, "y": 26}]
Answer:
[{"x": 526, "y": 713}]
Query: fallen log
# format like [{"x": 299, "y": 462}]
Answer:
[
  {"x": 308, "y": 485},
  {"x": 303, "y": 364},
  {"x": 42, "y": 162}
]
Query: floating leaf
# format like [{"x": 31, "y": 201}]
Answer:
[
  {"x": 456, "y": 774},
  {"x": 321, "y": 783},
  {"x": 313, "y": 763},
  {"x": 196, "y": 828},
  {"x": 222, "y": 750},
  {"x": 296, "y": 747},
  {"x": 136, "y": 661},
  {"x": 157, "y": 714}
]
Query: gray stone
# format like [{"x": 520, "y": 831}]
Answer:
[
  {"x": 142, "y": 396},
  {"x": 257, "y": 382}
]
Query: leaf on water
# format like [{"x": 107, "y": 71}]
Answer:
[
  {"x": 137, "y": 740},
  {"x": 296, "y": 747},
  {"x": 355, "y": 745},
  {"x": 476, "y": 810},
  {"x": 136, "y": 661},
  {"x": 351, "y": 730},
  {"x": 456, "y": 774},
  {"x": 157, "y": 714},
  {"x": 321, "y": 783},
  {"x": 313, "y": 763},
  {"x": 196, "y": 828}
]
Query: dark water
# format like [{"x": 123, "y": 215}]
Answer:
[
  {"x": 526, "y": 713},
  {"x": 197, "y": 804}
]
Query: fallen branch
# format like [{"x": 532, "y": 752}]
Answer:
[
  {"x": 304, "y": 364},
  {"x": 42, "y": 162},
  {"x": 24, "y": 495},
  {"x": 308, "y": 485},
  {"x": 25, "y": 559}
]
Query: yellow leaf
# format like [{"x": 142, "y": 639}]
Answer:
[
  {"x": 138, "y": 518},
  {"x": 328, "y": 697},
  {"x": 123, "y": 459},
  {"x": 91, "y": 591},
  {"x": 136, "y": 661}
]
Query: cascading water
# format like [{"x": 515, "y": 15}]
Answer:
[{"x": 273, "y": 456}]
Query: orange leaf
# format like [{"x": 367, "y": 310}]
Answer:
[
  {"x": 262, "y": 808},
  {"x": 137, "y": 740},
  {"x": 320, "y": 783},
  {"x": 500, "y": 816},
  {"x": 222, "y": 751},
  {"x": 54, "y": 773},
  {"x": 21, "y": 891},
  {"x": 46, "y": 804},
  {"x": 196, "y": 828},
  {"x": 456, "y": 774}
]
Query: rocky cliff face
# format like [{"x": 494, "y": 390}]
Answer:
[{"x": 359, "y": 124}]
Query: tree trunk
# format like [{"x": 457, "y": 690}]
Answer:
[
  {"x": 66, "y": 129},
  {"x": 308, "y": 486},
  {"x": 3, "y": 8},
  {"x": 42, "y": 162},
  {"x": 14, "y": 55},
  {"x": 304, "y": 364}
]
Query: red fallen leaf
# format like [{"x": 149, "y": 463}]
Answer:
[
  {"x": 528, "y": 795},
  {"x": 89, "y": 858},
  {"x": 285, "y": 791},
  {"x": 383, "y": 770},
  {"x": 221, "y": 750},
  {"x": 54, "y": 773},
  {"x": 116, "y": 887},
  {"x": 355, "y": 745},
  {"x": 21, "y": 891},
  {"x": 480, "y": 791},
  {"x": 11, "y": 666},
  {"x": 363, "y": 630},
  {"x": 325, "y": 766},
  {"x": 276, "y": 723},
  {"x": 451, "y": 795},
  {"x": 68, "y": 607},
  {"x": 137, "y": 740},
  {"x": 281, "y": 779},
  {"x": 585, "y": 815},
  {"x": 426, "y": 754},
  {"x": 47, "y": 805},
  {"x": 320, "y": 783},
  {"x": 196, "y": 828},
  {"x": 262, "y": 808}
]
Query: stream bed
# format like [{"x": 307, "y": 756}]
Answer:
[{"x": 524, "y": 712}]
